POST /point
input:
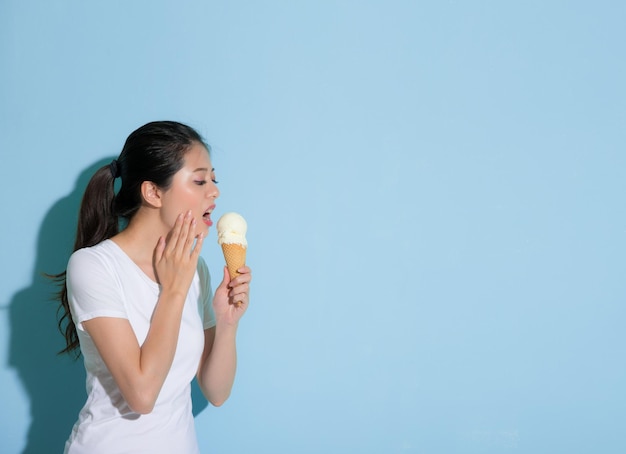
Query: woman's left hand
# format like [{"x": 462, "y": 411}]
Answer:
[{"x": 232, "y": 296}]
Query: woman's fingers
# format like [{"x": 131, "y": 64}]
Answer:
[
  {"x": 245, "y": 276},
  {"x": 198, "y": 246},
  {"x": 190, "y": 236},
  {"x": 176, "y": 258},
  {"x": 182, "y": 236},
  {"x": 160, "y": 248},
  {"x": 243, "y": 289},
  {"x": 172, "y": 238},
  {"x": 183, "y": 245},
  {"x": 239, "y": 288}
]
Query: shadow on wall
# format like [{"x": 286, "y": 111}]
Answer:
[{"x": 55, "y": 384}]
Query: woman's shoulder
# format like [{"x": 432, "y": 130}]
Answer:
[
  {"x": 93, "y": 254},
  {"x": 202, "y": 264},
  {"x": 203, "y": 273},
  {"x": 202, "y": 268}
]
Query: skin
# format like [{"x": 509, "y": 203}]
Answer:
[{"x": 164, "y": 239}]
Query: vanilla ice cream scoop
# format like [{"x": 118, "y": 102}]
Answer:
[{"x": 231, "y": 229}]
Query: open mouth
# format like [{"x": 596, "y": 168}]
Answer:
[{"x": 206, "y": 217}]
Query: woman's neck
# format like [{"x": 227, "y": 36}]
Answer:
[{"x": 139, "y": 240}]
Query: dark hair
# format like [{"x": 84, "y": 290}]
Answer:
[{"x": 154, "y": 152}]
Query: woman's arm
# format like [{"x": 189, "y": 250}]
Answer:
[
  {"x": 218, "y": 365},
  {"x": 140, "y": 371}
]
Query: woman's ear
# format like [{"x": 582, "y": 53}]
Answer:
[{"x": 151, "y": 194}]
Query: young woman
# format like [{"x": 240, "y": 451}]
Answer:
[{"x": 137, "y": 301}]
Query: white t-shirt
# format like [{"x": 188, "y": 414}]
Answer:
[{"x": 102, "y": 281}]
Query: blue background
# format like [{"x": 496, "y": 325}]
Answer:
[{"x": 435, "y": 198}]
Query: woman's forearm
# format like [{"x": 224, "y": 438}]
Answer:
[
  {"x": 159, "y": 347},
  {"x": 139, "y": 371},
  {"x": 217, "y": 371}
]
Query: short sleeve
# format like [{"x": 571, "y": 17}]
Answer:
[
  {"x": 206, "y": 295},
  {"x": 92, "y": 287}
]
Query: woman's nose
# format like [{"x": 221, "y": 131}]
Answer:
[{"x": 213, "y": 191}]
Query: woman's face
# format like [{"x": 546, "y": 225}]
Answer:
[{"x": 193, "y": 188}]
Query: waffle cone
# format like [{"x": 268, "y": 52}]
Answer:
[{"x": 235, "y": 255}]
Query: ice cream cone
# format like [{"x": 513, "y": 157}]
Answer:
[
  {"x": 231, "y": 236},
  {"x": 235, "y": 256}
]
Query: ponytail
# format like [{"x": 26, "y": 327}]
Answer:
[{"x": 97, "y": 222}]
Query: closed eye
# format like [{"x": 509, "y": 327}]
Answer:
[{"x": 203, "y": 182}]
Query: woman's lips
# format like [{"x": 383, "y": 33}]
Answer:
[{"x": 206, "y": 217}]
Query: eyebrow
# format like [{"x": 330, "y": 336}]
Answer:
[{"x": 204, "y": 169}]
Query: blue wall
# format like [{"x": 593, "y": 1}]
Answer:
[{"x": 434, "y": 192}]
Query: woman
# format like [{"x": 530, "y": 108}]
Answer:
[{"x": 138, "y": 301}]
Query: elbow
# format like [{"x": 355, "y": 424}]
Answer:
[
  {"x": 215, "y": 394},
  {"x": 142, "y": 404},
  {"x": 218, "y": 400},
  {"x": 142, "y": 409}
]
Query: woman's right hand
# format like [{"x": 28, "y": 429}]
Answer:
[{"x": 176, "y": 257}]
